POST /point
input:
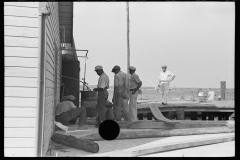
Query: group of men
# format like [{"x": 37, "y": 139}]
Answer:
[
  {"x": 124, "y": 99},
  {"x": 125, "y": 89}
]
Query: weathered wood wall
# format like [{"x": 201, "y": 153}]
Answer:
[
  {"x": 52, "y": 72},
  {"x": 20, "y": 77}
]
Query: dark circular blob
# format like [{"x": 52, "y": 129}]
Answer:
[{"x": 109, "y": 130}]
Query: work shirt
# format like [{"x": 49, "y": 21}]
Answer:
[
  {"x": 200, "y": 93},
  {"x": 64, "y": 107},
  {"x": 134, "y": 80},
  {"x": 211, "y": 95},
  {"x": 121, "y": 80},
  {"x": 103, "y": 81},
  {"x": 165, "y": 76}
]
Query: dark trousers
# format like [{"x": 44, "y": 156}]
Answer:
[
  {"x": 101, "y": 102},
  {"x": 80, "y": 113}
]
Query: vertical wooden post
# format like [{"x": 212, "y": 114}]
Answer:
[
  {"x": 180, "y": 114},
  {"x": 223, "y": 89},
  {"x": 128, "y": 45}
]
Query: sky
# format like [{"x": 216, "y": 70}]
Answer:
[{"x": 196, "y": 40}]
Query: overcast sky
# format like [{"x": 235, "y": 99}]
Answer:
[{"x": 195, "y": 40}]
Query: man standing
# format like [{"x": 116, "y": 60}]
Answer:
[
  {"x": 66, "y": 111},
  {"x": 165, "y": 78},
  {"x": 211, "y": 94},
  {"x": 120, "y": 95},
  {"x": 103, "y": 85},
  {"x": 135, "y": 84}
]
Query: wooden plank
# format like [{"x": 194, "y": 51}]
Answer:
[
  {"x": 49, "y": 92},
  {"x": 49, "y": 83},
  {"x": 49, "y": 100},
  {"x": 20, "y": 62},
  {"x": 20, "y": 41},
  {"x": 20, "y": 102},
  {"x": 19, "y": 132},
  {"x": 19, "y": 122},
  {"x": 49, "y": 48},
  {"x": 20, "y": 21},
  {"x": 19, "y": 142},
  {"x": 48, "y": 108},
  {"x": 135, "y": 134},
  {"x": 20, "y": 72},
  {"x": 20, "y": 31},
  {"x": 19, "y": 152},
  {"x": 20, "y": 52},
  {"x": 49, "y": 75},
  {"x": 47, "y": 124},
  {"x": 158, "y": 115},
  {"x": 22, "y": 4},
  {"x": 48, "y": 117},
  {"x": 157, "y": 147},
  {"x": 20, "y": 92},
  {"x": 49, "y": 59},
  {"x": 49, "y": 67},
  {"x": 49, "y": 37},
  {"x": 163, "y": 125},
  {"x": 20, "y": 11},
  {"x": 20, "y": 82},
  {"x": 11, "y": 112}
]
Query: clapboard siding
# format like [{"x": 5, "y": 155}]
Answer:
[
  {"x": 49, "y": 83},
  {"x": 15, "y": 112},
  {"x": 19, "y": 142},
  {"x": 20, "y": 102},
  {"x": 49, "y": 91},
  {"x": 20, "y": 52},
  {"x": 48, "y": 108},
  {"x": 22, "y": 4},
  {"x": 21, "y": 62},
  {"x": 20, "y": 21},
  {"x": 20, "y": 11},
  {"x": 20, "y": 41},
  {"x": 20, "y": 92},
  {"x": 20, "y": 82},
  {"x": 20, "y": 72},
  {"x": 48, "y": 100},
  {"x": 19, "y": 132},
  {"x": 19, "y": 152},
  {"x": 21, "y": 75},
  {"x": 20, "y": 31},
  {"x": 19, "y": 122},
  {"x": 52, "y": 40}
]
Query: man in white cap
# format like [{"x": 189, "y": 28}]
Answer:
[
  {"x": 165, "y": 78},
  {"x": 103, "y": 85},
  {"x": 120, "y": 95},
  {"x": 135, "y": 84},
  {"x": 66, "y": 111}
]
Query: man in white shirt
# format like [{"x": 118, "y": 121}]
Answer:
[
  {"x": 165, "y": 78},
  {"x": 211, "y": 94},
  {"x": 121, "y": 95},
  {"x": 66, "y": 111},
  {"x": 103, "y": 85},
  {"x": 135, "y": 84}
]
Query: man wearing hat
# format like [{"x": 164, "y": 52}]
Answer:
[
  {"x": 66, "y": 111},
  {"x": 135, "y": 84},
  {"x": 103, "y": 85},
  {"x": 165, "y": 78},
  {"x": 120, "y": 95}
]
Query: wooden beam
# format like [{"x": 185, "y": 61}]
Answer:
[
  {"x": 72, "y": 141},
  {"x": 135, "y": 134},
  {"x": 156, "y": 148}
]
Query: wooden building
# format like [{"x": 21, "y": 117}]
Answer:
[{"x": 34, "y": 33}]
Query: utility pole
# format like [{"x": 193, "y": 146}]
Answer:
[{"x": 128, "y": 45}]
